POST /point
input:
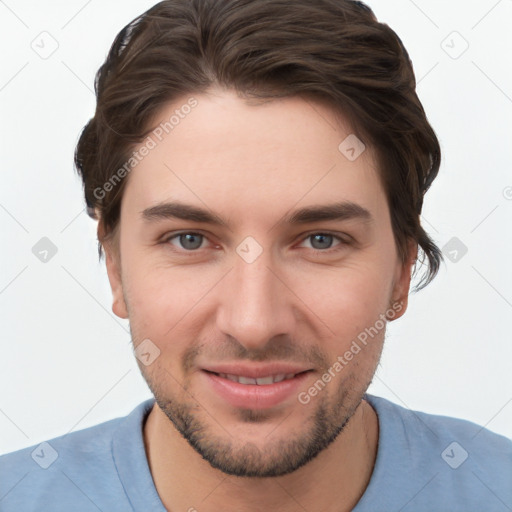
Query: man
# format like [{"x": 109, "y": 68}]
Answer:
[{"x": 258, "y": 170}]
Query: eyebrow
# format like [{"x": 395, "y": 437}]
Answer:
[
  {"x": 176, "y": 210},
  {"x": 344, "y": 210}
]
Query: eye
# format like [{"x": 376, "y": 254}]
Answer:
[
  {"x": 189, "y": 241},
  {"x": 324, "y": 241}
]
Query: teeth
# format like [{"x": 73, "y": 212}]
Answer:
[
  {"x": 260, "y": 381},
  {"x": 246, "y": 380}
]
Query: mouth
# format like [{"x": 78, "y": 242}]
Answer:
[
  {"x": 258, "y": 381},
  {"x": 255, "y": 388}
]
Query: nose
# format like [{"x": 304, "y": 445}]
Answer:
[{"x": 255, "y": 304}]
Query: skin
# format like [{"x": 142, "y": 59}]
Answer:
[{"x": 251, "y": 165}]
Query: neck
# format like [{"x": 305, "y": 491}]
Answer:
[{"x": 332, "y": 482}]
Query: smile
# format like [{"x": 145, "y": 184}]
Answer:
[
  {"x": 262, "y": 391},
  {"x": 260, "y": 381}
]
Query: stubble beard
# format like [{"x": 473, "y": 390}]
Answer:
[{"x": 282, "y": 453}]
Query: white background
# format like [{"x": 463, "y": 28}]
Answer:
[{"x": 66, "y": 361}]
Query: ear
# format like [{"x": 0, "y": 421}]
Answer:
[
  {"x": 402, "y": 282},
  {"x": 113, "y": 264}
]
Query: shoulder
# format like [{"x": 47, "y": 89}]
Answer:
[
  {"x": 427, "y": 459},
  {"x": 88, "y": 442},
  {"x": 72, "y": 468},
  {"x": 435, "y": 426}
]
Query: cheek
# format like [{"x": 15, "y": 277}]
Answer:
[
  {"x": 347, "y": 300},
  {"x": 163, "y": 303},
  {"x": 156, "y": 305}
]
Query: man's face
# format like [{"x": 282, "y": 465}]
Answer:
[{"x": 265, "y": 293}]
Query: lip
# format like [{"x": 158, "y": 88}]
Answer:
[
  {"x": 254, "y": 396},
  {"x": 254, "y": 370}
]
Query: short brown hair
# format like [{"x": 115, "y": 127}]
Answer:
[{"x": 332, "y": 50}]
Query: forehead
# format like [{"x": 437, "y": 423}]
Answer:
[{"x": 233, "y": 155}]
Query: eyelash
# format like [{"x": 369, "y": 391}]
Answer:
[{"x": 342, "y": 241}]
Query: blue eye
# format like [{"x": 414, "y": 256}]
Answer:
[
  {"x": 188, "y": 241},
  {"x": 324, "y": 241}
]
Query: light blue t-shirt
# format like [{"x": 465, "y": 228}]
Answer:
[{"x": 424, "y": 463}]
